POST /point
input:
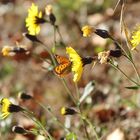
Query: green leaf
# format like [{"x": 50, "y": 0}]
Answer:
[
  {"x": 133, "y": 87},
  {"x": 71, "y": 136}
]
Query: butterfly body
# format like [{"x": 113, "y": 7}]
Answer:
[{"x": 64, "y": 66}]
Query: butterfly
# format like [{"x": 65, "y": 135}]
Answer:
[{"x": 64, "y": 66}]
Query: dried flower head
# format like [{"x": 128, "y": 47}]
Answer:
[
  {"x": 103, "y": 57},
  {"x": 7, "y": 51},
  {"x": 13, "y": 50},
  {"x": 48, "y": 9}
]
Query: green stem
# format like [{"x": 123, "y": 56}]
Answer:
[
  {"x": 84, "y": 124},
  {"x": 85, "y": 127},
  {"x": 135, "y": 68},
  {"x": 58, "y": 31},
  {"x": 80, "y": 111},
  {"x": 31, "y": 116},
  {"x": 93, "y": 128},
  {"x": 50, "y": 53},
  {"x": 77, "y": 91},
  {"x": 117, "y": 68},
  {"x": 51, "y": 113},
  {"x": 28, "y": 116},
  {"x": 86, "y": 120},
  {"x": 68, "y": 91}
]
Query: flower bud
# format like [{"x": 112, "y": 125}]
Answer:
[
  {"x": 19, "y": 130},
  {"x": 32, "y": 38},
  {"x": 24, "y": 96},
  {"x": 103, "y": 33},
  {"x": 87, "y": 60},
  {"x": 15, "y": 108},
  {"x": 52, "y": 18},
  {"x": 116, "y": 53},
  {"x": 67, "y": 111}
]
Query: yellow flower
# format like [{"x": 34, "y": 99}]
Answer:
[
  {"x": 87, "y": 30},
  {"x": 7, "y": 108},
  {"x": 135, "y": 38},
  {"x": 6, "y": 51},
  {"x": 33, "y": 20},
  {"x": 77, "y": 64}
]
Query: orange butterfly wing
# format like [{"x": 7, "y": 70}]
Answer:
[
  {"x": 64, "y": 66},
  {"x": 61, "y": 59}
]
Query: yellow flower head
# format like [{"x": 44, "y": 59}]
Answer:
[
  {"x": 87, "y": 30},
  {"x": 135, "y": 38},
  {"x": 33, "y": 20},
  {"x": 77, "y": 64},
  {"x": 48, "y": 9},
  {"x": 7, "y": 108}
]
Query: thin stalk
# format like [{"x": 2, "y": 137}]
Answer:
[
  {"x": 54, "y": 28},
  {"x": 54, "y": 37},
  {"x": 86, "y": 120},
  {"x": 68, "y": 91},
  {"x": 124, "y": 28},
  {"x": 58, "y": 31},
  {"x": 84, "y": 123},
  {"x": 85, "y": 127},
  {"x": 135, "y": 68},
  {"x": 51, "y": 113},
  {"x": 31, "y": 116},
  {"x": 80, "y": 111},
  {"x": 93, "y": 128},
  {"x": 77, "y": 91},
  {"x": 117, "y": 68},
  {"x": 37, "y": 125},
  {"x": 50, "y": 53}
]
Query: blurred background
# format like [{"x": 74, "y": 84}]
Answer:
[{"x": 111, "y": 107}]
